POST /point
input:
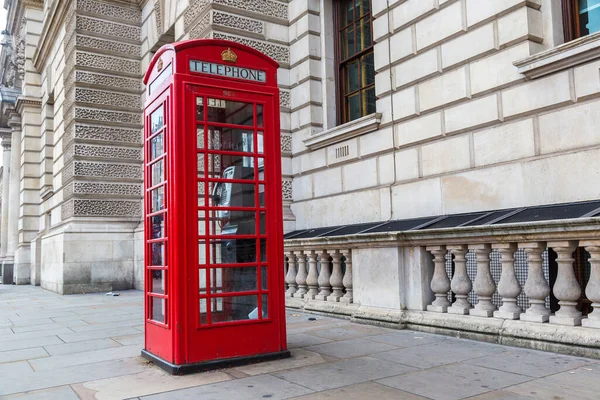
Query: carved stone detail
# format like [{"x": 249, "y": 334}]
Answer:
[
  {"x": 108, "y": 28},
  {"x": 284, "y": 99},
  {"x": 122, "y": 135},
  {"x": 95, "y": 169},
  {"x": 85, "y": 150},
  {"x": 197, "y": 31},
  {"x": 108, "y": 80},
  {"x": 109, "y": 10},
  {"x": 269, "y": 8},
  {"x": 286, "y": 143},
  {"x": 108, "y": 45},
  {"x": 193, "y": 11},
  {"x": 286, "y": 186},
  {"x": 19, "y": 53},
  {"x": 237, "y": 22},
  {"x": 280, "y": 54},
  {"x": 107, "y": 98},
  {"x": 158, "y": 15},
  {"x": 107, "y": 63},
  {"x": 109, "y": 208},
  {"x": 107, "y": 188},
  {"x": 96, "y": 115}
]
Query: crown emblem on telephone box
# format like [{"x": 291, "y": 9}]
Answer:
[{"x": 229, "y": 55}]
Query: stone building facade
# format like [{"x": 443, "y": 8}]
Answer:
[{"x": 390, "y": 110}]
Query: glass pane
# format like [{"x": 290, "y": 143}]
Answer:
[
  {"x": 158, "y": 310},
  {"x": 201, "y": 199},
  {"x": 158, "y": 199},
  {"x": 354, "y": 107},
  {"x": 265, "y": 306},
  {"x": 259, "y": 115},
  {"x": 589, "y": 16},
  {"x": 228, "y": 280},
  {"x": 348, "y": 11},
  {"x": 157, "y": 251},
  {"x": 370, "y": 101},
  {"x": 230, "y": 112},
  {"x": 231, "y": 139},
  {"x": 158, "y": 281},
  {"x": 157, "y": 120},
  {"x": 367, "y": 64},
  {"x": 237, "y": 308},
  {"x": 263, "y": 250},
  {"x": 158, "y": 172},
  {"x": 351, "y": 48},
  {"x": 353, "y": 79},
  {"x": 201, "y": 223},
  {"x": 264, "y": 278},
  {"x": 231, "y": 194},
  {"x": 263, "y": 223},
  {"x": 363, "y": 31},
  {"x": 365, "y": 7},
  {"x": 202, "y": 254},
  {"x": 261, "y": 142},
  {"x": 199, "y": 108},
  {"x": 232, "y": 166},
  {"x": 203, "y": 312},
  {"x": 157, "y": 146},
  {"x": 200, "y": 136},
  {"x": 237, "y": 223},
  {"x": 157, "y": 226},
  {"x": 202, "y": 280},
  {"x": 233, "y": 251},
  {"x": 261, "y": 195}
]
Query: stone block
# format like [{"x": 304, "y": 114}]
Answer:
[
  {"x": 590, "y": 323},
  {"x": 587, "y": 80},
  {"x": 382, "y": 54},
  {"x": 342, "y": 152},
  {"x": 564, "y": 320},
  {"x": 479, "y": 11},
  {"x": 439, "y": 26},
  {"x": 410, "y": 10},
  {"x": 498, "y": 70},
  {"x": 417, "y": 199},
  {"x": 379, "y": 286},
  {"x": 419, "y": 129},
  {"x": 407, "y": 165},
  {"x": 385, "y": 169},
  {"x": 523, "y": 23},
  {"x": 417, "y": 68},
  {"x": 383, "y": 82},
  {"x": 444, "y": 89},
  {"x": 509, "y": 141},
  {"x": 446, "y": 156},
  {"x": 309, "y": 161},
  {"x": 463, "y": 48},
  {"x": 528, "y": 317},
  {"x": 377, "y": 141},
  {"x": 379, "y": 6},
  {"x": 538, "y": 94},
  {"x": 360, "y": 175},
  {"x": 472, "y": 114},
  {"x": 570, "y": 128},
  {"x": 302, "y": 187},
  {"x": 309, "y": 45},
  {"x": 404, "y": 103},
  {"x": 401, "y": 44},
  {"x": 327, "y": 182},
  {"x": 384, "y": 107},
  {"x": 381, "y": 26}
]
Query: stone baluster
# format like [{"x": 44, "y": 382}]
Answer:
[
  {"x": 592, "y": 289},
  {"x": 324, "y": 277},
  {"x": 347, "y": 281},
  {"x": 508, "y": 287},
  {"x": 536, "y": 286},
  {"x": 291, "y": 274},
  {"x": 440, "y": 284},
  {"x": 285, "y": 272},
  {"x": 484, "y": 284},
  {"x": 337, "y": 277},
  {"x": 461, "y": 283},
  {"x": 566, "y": 288},
  {"x": 301, "y": 276},
  {"x": 312, "y": 278}
]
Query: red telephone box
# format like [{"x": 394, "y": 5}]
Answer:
[{"x": 213, "y": 213}]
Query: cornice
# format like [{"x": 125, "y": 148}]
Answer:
[
  {"x": 52, "y": 24},
  {"x": 23, "y": 102}
]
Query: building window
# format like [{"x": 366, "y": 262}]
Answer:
[
  {"x": 355, "y": 58},
  {"x": 580, "y": 18}
]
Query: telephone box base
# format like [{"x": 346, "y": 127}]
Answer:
[{"x": 185, "y": 369}]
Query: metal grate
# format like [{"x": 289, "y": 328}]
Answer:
[
  {"x": 453, "y": 221},
  {"x": 352, "y": 229},
  {"x": 402, "y": 225},
  {"x": 311, "y": 233},
  {"x": 549, "y": 213}
]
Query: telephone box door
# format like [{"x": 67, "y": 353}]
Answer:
[{"x": 234, "y": 153}]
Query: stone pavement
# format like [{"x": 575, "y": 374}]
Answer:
[{"x": 88, "y": 346}]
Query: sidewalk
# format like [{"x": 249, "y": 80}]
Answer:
[{"x": 88, "y": 346}]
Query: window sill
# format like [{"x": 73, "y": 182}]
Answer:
[
  {"x": 562, "y": 57},
  {"x": 343, "y": 132}
]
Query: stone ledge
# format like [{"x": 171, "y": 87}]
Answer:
[
  {"x": 577, "y": 341},
  {"x": 344, "y": 132},
  {"x": 562, "y": 57}
]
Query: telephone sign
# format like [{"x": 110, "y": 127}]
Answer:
[{"x": 213, "y": 209}]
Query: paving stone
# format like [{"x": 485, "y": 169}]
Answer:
[
  {"x": 299, "y": 358},
  {"x": 14, "y": 369},
  {"x": 50, "y": 363},
  {"x": 340, "y": 333},
  {"x": 452, "y": 382},
  {"x": 118, "y": 324},
  {"x": 406, "y": 338},
  {"x": 580, "y": 384},
  {"x": 439, "y": 353},
  {"x": 99, "y": 334},
  {"x": 24, "y": 354},
  {"x": 58, "y": 393},
  {"x": 351, "y": 348},
  {"x": 256, "y": 387},
  {"x": 500, "y": 395},
  {"x": 531, "y": 363},
  {"x": 80, "y": 347},
  {"x": 362, "y": 391},
  {"x": 145, "y": 383},
  {"x": 19, "y": 321},
  {"x": 35, "y": 328},
  {"x": 343, "y": 373},
  {"x": 128, "y": 340},
  {"x": 303, "y": 340},
  {"x": 41, "y": 333},
  {"x": 6, "y": 345}
]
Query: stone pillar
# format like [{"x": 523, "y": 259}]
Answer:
[
  {"x": 13, "y": 199},
  {"x": 536, "y": 286},
  {"x": 291, "y": 274},
  {"x": 508, "y": 287},
  {"x": 347, "y": 281},
  {"x": 592, "y": 289},
  {"x": 566, "y": 288},
  {"x": 301, "y": 276},
  {"x": 440, "y": 284},
  {"x": 484, "y": 282},
  {"x": 324, "y": 277},
  {"x": 461, "y": 283},
  {"x": 5, "y": 196},
  {"x": 312, "y": 279},
  {"x": 337, "y": 277}
]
